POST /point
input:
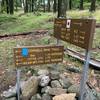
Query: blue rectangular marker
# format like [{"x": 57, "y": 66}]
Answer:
[{"x": 24, "y": 52}]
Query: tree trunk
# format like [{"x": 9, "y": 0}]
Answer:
[
  {"x": 59, "y": 8},
  {"x": 70, "y": 4},
  {"x": 26, "y": 6},
  {"x": 16, "y": 5},
  {"x": 93, "y": 5},
  {"x": 55, "y": 6},
  {"x": 81, "y": 5},
  {"x": 2, "y": 5},
  {"x": 11, "y": 6},
  {"x": 62, "y": 7},
  {"x": 7, "y": 6},
  {"x": 32, "y": 5},
  {"x": 48, "y": 5},
  {"x": 44, "y": 5}
]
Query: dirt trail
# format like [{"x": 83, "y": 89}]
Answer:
[{"x": 35, "y": 33}]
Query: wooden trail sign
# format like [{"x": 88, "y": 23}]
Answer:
[
  {"x": 38, "y": 55},
  {"x": 75, "y": 31}
]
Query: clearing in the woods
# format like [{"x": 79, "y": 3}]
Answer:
[{"x": 41, "y": 26}]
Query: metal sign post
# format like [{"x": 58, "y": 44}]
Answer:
[
  {"x": 78, "y": 32},
  {"x": 84, "y": 75},
  {"x": 18, "y": 84}
]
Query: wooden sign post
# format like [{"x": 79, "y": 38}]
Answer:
[
  {"x": 25, "y": 56},
  {"x": 80, "y": 33}
]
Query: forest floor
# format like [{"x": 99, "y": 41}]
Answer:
[{"x": 41, "y": 23}]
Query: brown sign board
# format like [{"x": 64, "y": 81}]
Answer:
[
  {"x": 38, "y": 55},
  {"x": 75, "y": 31}
]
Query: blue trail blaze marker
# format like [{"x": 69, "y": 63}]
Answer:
[{"x": 24, "y": 52}]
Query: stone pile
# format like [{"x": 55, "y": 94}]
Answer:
[{"x": 49, "y": 86}]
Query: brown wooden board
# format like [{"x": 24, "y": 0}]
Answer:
[
  {"x": 38, "y": 55},
  {"x": 75, "y": 31}
]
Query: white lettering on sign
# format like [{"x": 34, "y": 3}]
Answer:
[{"x": 68, "y": 23}]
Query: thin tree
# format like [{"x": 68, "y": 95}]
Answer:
[
  {"x": 62, "y": 7},
  {"x": 44, "y": 6},
  {"x": 81, "y": 5},
  {"x": 70, "y": 4},
  {"x": 93, "y": 5},
  {"x": 16, "y": 5},
  {"x": 32, "y": 5},
  {"x": 48, "y": 5},
  {"x": 55, "y": 6},
  {"x": 7, "y": 6},
  {"x": 59, "y": 8},
  {"x": 11, "y": 6},
  {"x": 2, "y": 6},
  {"x": 26, "y": 6}
]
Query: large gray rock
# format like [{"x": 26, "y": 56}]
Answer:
[
  {"x": 43, "y": 72},
  {"x": 45, "y": 89},
  {"x": 90, "y": 94},
  {"x": 54, "y": 75},
  {"x": 65, "y": 82},
  {"x": 55, "y": 84},
  {"x": 70, "y": 96},
  {"x": 44, "y": 81},
  {"x": 10, "y": 93},
  {"x": 13, "y": 98},
  {"x": 98, "y": 95},
  {"x": 46, "y": 97},
  {"x": 36, "y": 97},
  {"x": 57, "y": 91},
  {"x": 74, "y": 89},
  {"x": 30, "y": 88}
]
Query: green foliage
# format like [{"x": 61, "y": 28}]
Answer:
[
  {"x": 6, "y": 18},
  {"x": 28, "y": 22}
]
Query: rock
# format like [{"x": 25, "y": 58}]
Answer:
[
  {"x": 45, "y": 89},
  {"x": 54, "y": 75},
  {"x": 70, "y": 96},
  {"x": 13, "y": 98},
  {"x": 73, "y": 89},
  {"x": 65, "y": 82},
  {"x": 46, "y": 97},
  {"x": 44, "y": 81},
  {"x": 30, "y": 88},
  {"x": 73, "y": 69},
  {"x": 55, "y": 84},
  {"x": 57, "y": 91},
  {"x": 36, "y": 97},
  {"x": 98, "y": 95},
  {"x": 10, "y": 93},
  {"x": 43, "y": 72},
  {"x": 29, "y": 73},
  {"x": 90, "y": 94}
]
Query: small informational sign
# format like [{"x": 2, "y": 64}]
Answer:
[
  {"x": 68, "y": 24},
  {"x": 38, "y": 55},
  {"x": 75, "y": 31}
]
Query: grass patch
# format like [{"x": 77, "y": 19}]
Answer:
[{"x": 28, "y": 22}]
